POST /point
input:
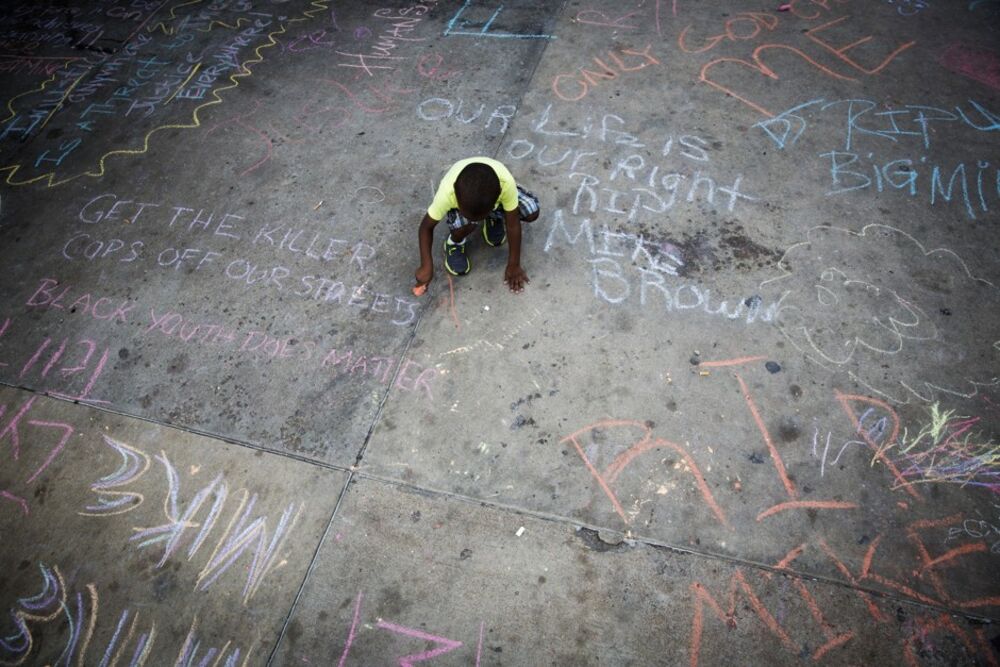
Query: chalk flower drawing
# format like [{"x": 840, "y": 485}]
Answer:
[{"x": 891, "y": 313}]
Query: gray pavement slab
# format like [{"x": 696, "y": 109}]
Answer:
[
  {"x": 126, "y": 541},
  {"x": 678, "y": 373},
  {"x": 241, "y": 292},
  {"x": 759, "y": 345},
  {"x": 467, "y": 584}
]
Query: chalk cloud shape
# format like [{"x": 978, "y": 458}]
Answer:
[{"x": 903, "y": 321}]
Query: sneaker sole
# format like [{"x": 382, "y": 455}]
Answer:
[{"x": 449, "y": 269}]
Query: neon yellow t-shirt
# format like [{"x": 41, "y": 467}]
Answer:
[{"x": 444, "y": 198}]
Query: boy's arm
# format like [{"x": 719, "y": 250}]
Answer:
[
  {"x": 425, "y": 272},
  {"x": 514, "y": 276}
]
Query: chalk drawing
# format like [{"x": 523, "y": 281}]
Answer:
[
  {"x": 76, "y": 615},
  {"x": 47, "y": 166},
  {"x": 981, "y": 65},
  {"x": 369, "y": 194},
  {"x": 135, "y": 464},
  {"x": 979, "y": 529},
  {"x": 379, "y": 57},
  {"x": 444, "y": 645},
  {"x": 747, "y": 26},
  {"x": 645, "y": 443},
  {"x": 913, "y": 644},
  {"x": 40, "y": 449},
  {"x": 909, "y": 7},
  {"x": 873, "y": 121},
  {"x": 852, "y": 314},
  {"x": 441, "y": 645},
  {"x": 242, "y": 533},
  {"x": 947, "y": 448},
  {"x": 574, "y": 86},
  {"x": 465, "y": 27}
]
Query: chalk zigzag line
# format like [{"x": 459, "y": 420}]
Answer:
[
  {"x": 244, "y": 71},
  {"x": 162, "y": 25},
  {"x": 10, "y": 102}
]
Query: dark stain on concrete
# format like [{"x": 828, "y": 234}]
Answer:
[
  {"x": 789, "y": 430},
  {"x": 294, "y": 630},
  {"x": 178, "y": 364},
  {"x": 595, "y": 542}
]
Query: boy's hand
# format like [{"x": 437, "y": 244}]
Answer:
[
  {"x": 424, "y": 275},
  {"x": 516, "y": 278}
]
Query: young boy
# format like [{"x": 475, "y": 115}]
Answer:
[{"x": 475, "y": 190}]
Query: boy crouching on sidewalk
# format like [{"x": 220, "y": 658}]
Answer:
[{"x": 475, "y": 190}]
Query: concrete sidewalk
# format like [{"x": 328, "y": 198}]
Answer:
[{"x": 745, "y": 412}]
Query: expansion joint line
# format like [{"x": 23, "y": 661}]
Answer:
[
  {"x": 653, "y": 543},
  {"x": 527, "y": 83}
]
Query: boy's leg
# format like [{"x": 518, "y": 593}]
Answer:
[
  {"x": 495, "y": 227},
  {"x": 527, "y": 205},
  {"x": 455, "y": 260}
]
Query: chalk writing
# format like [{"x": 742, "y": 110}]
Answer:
[
  {"x": 59, "y": 366},
  {"x": 639, "y": 186},
  {"x": 599, "y": 18},
  {"x": 574, "y": 86},
  {"x": 979, "y": 529},
  {"x": 916, "y": 571},
  {"x": 440, "y": 108},
  {"x": 76, "y": 614},
  {"x": 899, "y": 312},
  {"x": 203, "y": 225},
  {"x": 974, "y": 184},
  {"x": 742, "y": 593},
  {"x": 243, "y": 530},
  {"x": 396, "y": 26},
  {"x": 440, "y": 645},
  {"x": 148, "y": 77},
  {"x": 629, "y": 268},
  {"x": 135, "y": 464},
  {"x": 38, "y": 66},
  {"x": 68, "y": 359},
  {"x": 34, "y": 444},
  {"x": 748, "y": 26},
  {"x": 867, "y": 119}
]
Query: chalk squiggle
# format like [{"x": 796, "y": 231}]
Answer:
[{"x": 244, "y": 71}]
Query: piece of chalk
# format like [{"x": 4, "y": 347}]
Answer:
[
  {"x": 520, "y": 531},
  {"x": 418, "y": 290}
]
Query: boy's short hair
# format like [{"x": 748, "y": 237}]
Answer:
[{"x": 477, "y": 189}]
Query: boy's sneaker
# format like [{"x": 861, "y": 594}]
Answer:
[
  {"x": 454, "y": 258},
  {"x": 495, "y": 229}
]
